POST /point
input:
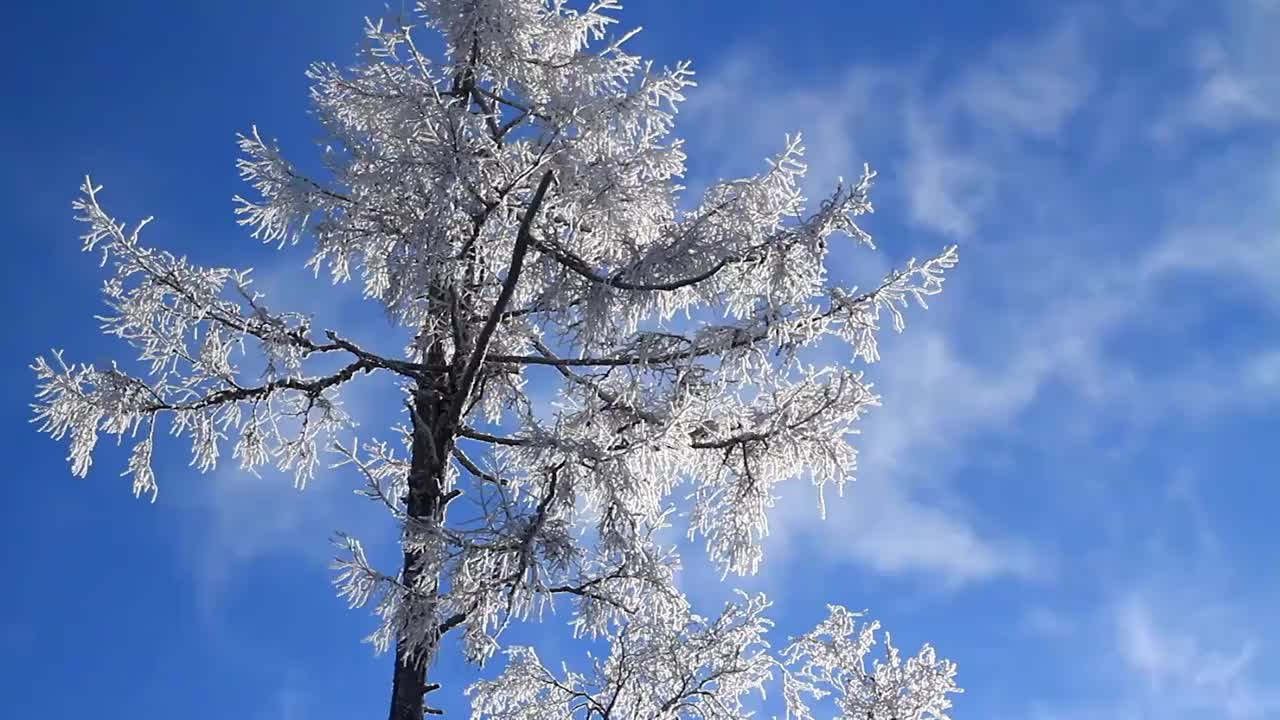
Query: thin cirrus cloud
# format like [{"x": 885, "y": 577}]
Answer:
[
  {"x": 1236, "y": 85},
  {"x": 1166, "y": 647}
]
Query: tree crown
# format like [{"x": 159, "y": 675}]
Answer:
[{"x": 514, "y": 203}]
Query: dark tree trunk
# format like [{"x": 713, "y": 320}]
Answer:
[
  {"x": 432, "y": 443},
  {"x": 437, "y": 409}
]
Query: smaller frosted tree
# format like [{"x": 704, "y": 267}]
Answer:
[{"x": 514, "y": 206}]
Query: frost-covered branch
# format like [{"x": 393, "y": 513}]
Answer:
[
  {"x": 662, "y": 668},
  {"x": 836, "y": 659}
]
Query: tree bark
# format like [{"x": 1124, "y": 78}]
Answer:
[
  {"x": 432, "y": 441},
  {"x": 437, "y": 409}
]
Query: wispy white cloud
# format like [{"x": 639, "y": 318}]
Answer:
[
  {"x": 949, "y": 188},
  {"x": 1188, "y": 657},
  {"x": 744, "y": 97},
  {"x": 1232, "y": 65},
  {"x": 1023, "y": 88},
  {"x": 1167, "y": 652},
  {"x": 1164, "y": 615},
  {"x": 1223, "y": 223},
  {"x": 1171, "y": 629},
  {"x": 1033, "y": 85}
]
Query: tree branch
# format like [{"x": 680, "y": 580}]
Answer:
[
  {"x": 470, "y": 466},
  {"x": 693, "y": 352},
  {"x": 312, "y": 388},
  {"x": 471, "y": 434},
  {"x": 580, "y": 267},
  {"x": 467, "y": 381}
]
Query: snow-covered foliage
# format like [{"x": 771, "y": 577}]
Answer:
[
  {"x": 833, "y": 660},
  {"x": 515, "y": 204}
]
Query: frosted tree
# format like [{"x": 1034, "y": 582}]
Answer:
[{"x": 512, "y": 200}]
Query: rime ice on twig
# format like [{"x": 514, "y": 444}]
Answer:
[{"x": 836, "y": 659}]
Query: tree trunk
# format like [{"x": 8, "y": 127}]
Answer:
[
  {"x": 432, "y": 442},
  {"x": 437, "y": 408}
]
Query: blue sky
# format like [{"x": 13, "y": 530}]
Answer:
[{"x": 1069, "y": 489}]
